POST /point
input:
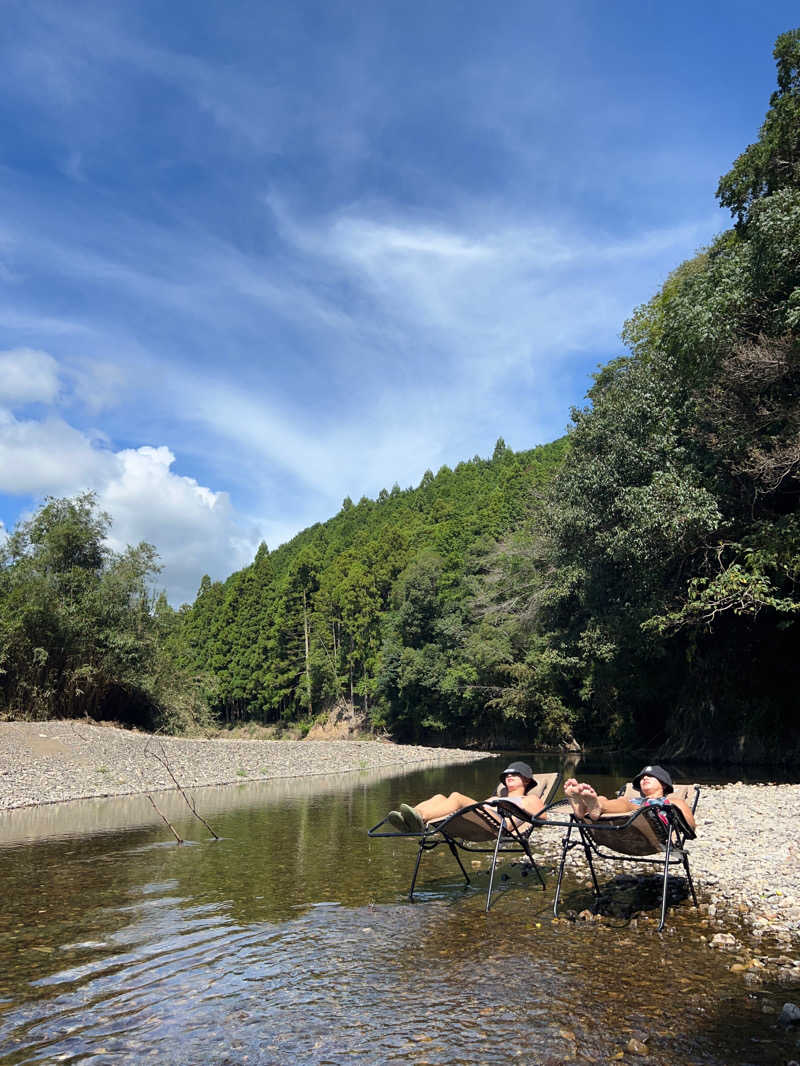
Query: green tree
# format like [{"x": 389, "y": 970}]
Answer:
[
  {"x": 670, "y": 548},
  {"x": 80, "y": 632},
  {"x": 773, "y": 161}
]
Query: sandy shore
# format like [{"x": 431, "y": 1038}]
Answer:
[{"x": 746, "y": 860}]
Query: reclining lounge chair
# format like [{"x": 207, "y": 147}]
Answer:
[
  {"x": 474, "y": 829},
  {"x": 637, "y": 837}
]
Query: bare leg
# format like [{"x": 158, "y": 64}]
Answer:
[{"x": 440, "y": 806}]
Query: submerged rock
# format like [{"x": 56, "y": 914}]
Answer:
[
  {"x": 636, "y": 1047},
  {"x": 789, "y": 1015},
  {"x": 725, "y": 941}
]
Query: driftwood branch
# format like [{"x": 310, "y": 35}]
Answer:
[
  {"x": 169, "y": 823},
  {"x": 162, "y": 758}
]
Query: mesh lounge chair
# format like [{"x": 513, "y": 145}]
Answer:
[
  {"x": 477, "y": 829},
  {"x": 635, "y": 837}
]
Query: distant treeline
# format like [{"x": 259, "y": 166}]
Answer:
[{"x": 633, "y": 584}]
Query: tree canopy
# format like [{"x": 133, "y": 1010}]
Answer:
[
  {"x": 377, "y": 606},
  {"x": 773, "y": 161},
  {"x": 80, "y": 630},
  {"x": 672, "y": 542}
]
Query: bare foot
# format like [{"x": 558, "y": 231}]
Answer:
[
  {"x": 590, "y": 800},
  {"x": 572, "y": 790}
]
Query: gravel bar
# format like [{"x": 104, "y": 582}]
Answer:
[{"x": 50, "y": 762}]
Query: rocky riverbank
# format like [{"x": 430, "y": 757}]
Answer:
[
  {"x": 746, "y": 866},
  {"x": 746, "y": 860}
]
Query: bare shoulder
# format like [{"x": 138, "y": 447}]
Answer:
[{"x": 532, "y": 804}]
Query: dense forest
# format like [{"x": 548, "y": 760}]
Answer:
[
  {"x": 633, "y": 584},
  {"x": 380, "y": 606}
]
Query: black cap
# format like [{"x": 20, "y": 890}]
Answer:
[
  {"x": 521, "y": 768},
  {"x": 659, "y": 773}
]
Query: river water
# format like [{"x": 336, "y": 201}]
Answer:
[{"x": 291, "y": 938}]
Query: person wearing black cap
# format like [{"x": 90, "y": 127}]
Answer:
[
  {"x": 517, "y": 779},
  {"x": 653, "y": 784}
]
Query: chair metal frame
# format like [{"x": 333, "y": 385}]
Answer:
[
  {"x": 612, "y": 827},
  {"x": 497, "y": 817}
]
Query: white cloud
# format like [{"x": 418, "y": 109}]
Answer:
[
  {"x": 96, "y": 383},
  {"x": 27, "y": 376},
  {"x": 48, "y": 457},
  {"x": 194, "y": 529}
]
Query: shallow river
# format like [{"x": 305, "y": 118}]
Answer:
[{"x": 291, "y": 938}]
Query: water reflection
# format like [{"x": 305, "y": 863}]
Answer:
[{"x": 290, "y": 937}]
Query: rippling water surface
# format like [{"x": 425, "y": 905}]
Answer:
[{"x": 291, "y": 938}]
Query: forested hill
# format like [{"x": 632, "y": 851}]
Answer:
[{"x": 379, "y": 605}]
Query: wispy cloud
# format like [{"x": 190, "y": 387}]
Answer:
[{"x": 28, "y": 376}]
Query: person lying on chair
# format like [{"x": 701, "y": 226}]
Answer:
[
  {"x": 653, "y": 784},
  {"x": 517, "y": 778}
]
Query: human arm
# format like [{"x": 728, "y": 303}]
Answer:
[
  {"x": 531, "y": 805},
  {"x": 685, "y": 810},
  {"x": 618, "y": 805}
]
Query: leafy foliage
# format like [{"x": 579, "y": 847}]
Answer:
[
  {"x": 672, "y": 547},
  {"x": 79, "y": 632},
  {"x": 774, "y": 160},
  {"x": 377, "y": 606}
]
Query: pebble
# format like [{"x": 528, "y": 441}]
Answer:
[
  {"x": 636, "y": 1047},
  {"x": 747, "y": 845},
  {"x": 723, "y": 940}
]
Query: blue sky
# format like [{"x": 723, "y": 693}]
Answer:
[{"x": 256, "y": 257}]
